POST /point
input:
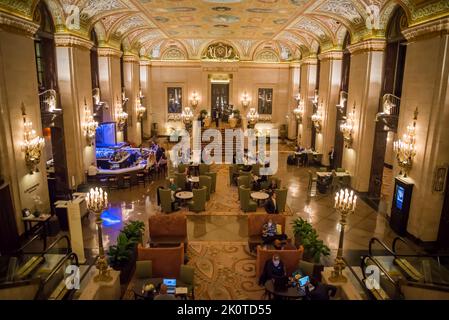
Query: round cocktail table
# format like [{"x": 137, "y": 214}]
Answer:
[
  {"x": 183, "y": 196},
  {"x": 259, "y": 196}
]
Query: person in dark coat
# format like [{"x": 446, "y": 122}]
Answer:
[
  {"x": 332, "y": 158},
  {"x": 274, "y": 268},
  {"x": 271, "y": 205},
  {"x": 319, "y": 291}
]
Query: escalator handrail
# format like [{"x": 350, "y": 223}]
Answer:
[
  {"x": 373, "y": 240},
  {"x": 361, "y": 283},
  {"x": 69, "y": 247},
  {"x": 393, "y": 246},
  {"x": 427, "y": 285},
  {"x": 21, "y": 249},
  {"x": 363, "y": 265}
]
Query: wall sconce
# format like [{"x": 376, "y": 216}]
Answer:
[
  {"x": 48, "y": 99},
  {"x": 405, "y": 148},
  {"x": 96, "y": 96},
  {"x": 32, "y": 144},
  {"x": 246, "y": 100},
  {"x": 194, "y": 101},
  {"x": 140, "y": 109},
  {"x": 347, "y": 128},
  {"x": 124, "y": 98},
  {"x": 315, "y": 97},
  {"x": 141, "y": 96},
  {"x": 317, "y": 117},
  {"x": 187, "y": 117},
  {"x": 90, "y": 125},
  {"x": 252, "y": 116},
  {"x": 342, "y": 102},
  {"x": 121, "y": 116},
  {"x": 299, "y": 110}
]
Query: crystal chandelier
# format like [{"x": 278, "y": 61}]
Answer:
[
  {"x": 317, "y": 117},
  {"x": 140, "y": 109},
  {"x": 347, "y": 128},
  {"x": 405, "y": 148},
  {"x": 90, "y": 125},
  {"x": 121, "y": 116},
  {"x": 252, "y": 116},
  {"x": 32, "y": 144},
  {"x": 299, "y": 110}
]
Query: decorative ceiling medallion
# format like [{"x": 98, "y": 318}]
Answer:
[
  {"x": 222, "y": 19},
  {"x": 173, "y": 54},
  {"x": 267, "y": 56},
  {"x": 220, "y": 51},
  {"x": 161, "y": 19}
]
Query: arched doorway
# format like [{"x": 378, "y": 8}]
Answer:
[
  {"x": 50, "y": 105},
  {"x": 381, "y": 179}
]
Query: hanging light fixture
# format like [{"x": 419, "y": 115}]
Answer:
[
  {"x": 32, "y": 144},
  {"x": 246, "y": 100},
  {"x": 90, "y": 125},
  {"x": 121, "y": 116},
  {"x": 405, "y": 148},
  {"x": 347, "y": 128},
  {"x": 317, "y": 117}
]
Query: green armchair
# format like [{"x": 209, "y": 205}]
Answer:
[
  {"x": 256, "y": 169},
  {"x": 198, "y": 203},
  {"x": 233, "y": 172},
  {"x": 206, "y": 181},
  {"x": 181, "y": 168},
  {"x": 144, "y": 269},
  {"x": 266, "y": 184},
  {"x": 180, "y": 180},
  {"x": 165, "y": 198},
  {"x": 244, "y": 181},
  {"x": 213, "y": 176},
  {"x": 204, "y": 168},
  {"x": 187, "y": 276},
  {"x": 281, "y": 199},
  {"x": 246, "y": 204},
  {"x": 244, "y": 173}
]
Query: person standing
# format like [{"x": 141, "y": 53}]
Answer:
[{"x": 332, "y": 158}]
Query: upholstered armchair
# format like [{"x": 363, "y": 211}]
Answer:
[
  {"x": 244, "y": 181},
  {"x": 256, "y": 169},
  {"x": 290, "y": 258},
  {"x": 181, "y": 180},
  {"x": 168, "y": 229},
  {"x": 165, "y": 198},
  {"x": 266, "y": 184},
  {"x": 204, "y": 168},
  {"x": 281, "y": 198},
  {"x": 256, "y": 221},
  {"x": 213, "y": 176},
  {"x": 181, "y": 168},
  {"x": 166, "y": 262},
  {"x": 206, "y": 181},
  {"x": 246, "y": 204},
  {"x": 233, "y": 173},
  {"x": 198, "y": 203}
]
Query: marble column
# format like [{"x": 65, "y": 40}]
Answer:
[
  {"x": 365, "y": 81},
  {"x": 145, "y": 86},
  {"x": 293, "y": 90},
  {"x": 18, "y": 84},
  {"x": 75, "y": 90},
  {"x": 110, "y": 82},
  {"x": 131, "y": 74},
  {"x": 330, "y": 80},
  {"x": 426, "y": 83},
  {"x": 308, "y": 85}
]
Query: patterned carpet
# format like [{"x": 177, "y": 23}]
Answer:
[{"x": 223, "y": 271}]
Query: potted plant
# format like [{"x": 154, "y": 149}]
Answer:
[
  {"x": 307, "y": 236},
  {"x": 121, "y": 256},
  {"x": 134, "y": 231}
]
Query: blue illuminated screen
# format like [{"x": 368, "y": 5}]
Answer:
[{"x": 399, "y": 197}]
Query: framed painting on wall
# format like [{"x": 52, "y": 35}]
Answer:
[
  {"x": 174, "y": 99},
  {"x": 265, "y": 100}
]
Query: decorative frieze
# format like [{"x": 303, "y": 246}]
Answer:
[
  {"x": 131, "y": 58},
  {"x": 17, "y": 24},
  {"x": 367, "y": 46},
  {"x": 426, "y": 29},
  {"x": 331, "y": 55},
  {"x": 109, "y": 52},
  {"x": 309, "y": 60},
  {"x": 67, "y": 40}
]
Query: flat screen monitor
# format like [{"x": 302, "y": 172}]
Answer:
[
  {"x": 105, "y": 135},
  {"x": 400, "y": 191},
  {"x": 169, "y": 282}
]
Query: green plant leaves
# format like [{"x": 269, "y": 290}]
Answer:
[{"x": 313, "y": 247}]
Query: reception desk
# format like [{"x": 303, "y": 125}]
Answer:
[{"x": 123, "y": 171}]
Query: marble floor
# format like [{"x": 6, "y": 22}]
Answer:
[{"x": 230, "y": 225}]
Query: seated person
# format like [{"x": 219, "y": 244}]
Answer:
[
  {"x": 270, "y": 234},
  {"x": 274, "y": 268},
  {"x": 257, "y": 180},
  {"x": 271, "y": 205},
  {"x": 174, "y": 188},
  {"x": 273, "y": 186},
  {"x": 163, "y": 295},
  {"x": 319, "y": 291},
  {"x": 300, "y": 149}
]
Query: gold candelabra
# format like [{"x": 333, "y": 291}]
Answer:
[
  {"x": 97, "y": 201},
  {"x": 32, "y": 144},
  {"x": 345, "y": 203},
  {"x": 406, "y": 147}
]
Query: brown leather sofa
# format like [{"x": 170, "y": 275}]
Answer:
[
  {"x": 256, "y": 222},
  {"x": 290, "y": 258},
  {"x": 166, "y": 261},
  {"x": 168, "y": 229}
]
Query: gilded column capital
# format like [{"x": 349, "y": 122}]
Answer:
[
  {"x": 427, "y": 29},
  {"x": 67, "y": 40},
  {"x": 367, "y": 46},
  {"x": 309, "y": 60},
  {"x": 331, "y": 55},
  {"x": 127, "y": 57},
  {"x": 109, "y": 52},
  {"x": 17, "y": 24},
  {"x": 145, "y": 62}
]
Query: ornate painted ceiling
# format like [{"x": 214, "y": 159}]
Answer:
[{"x": 267, "y": 30}]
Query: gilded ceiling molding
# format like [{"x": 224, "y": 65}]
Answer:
[
  {"x": 144, "y": 61},
  {"x": 309, "y": 60},
  {"x": 67, "y": 40},
  {"x": 367, "y": 45},
  {"x": 427, "y": 29},
  {"x": 331, "y": 55},
  {"x": 109, "y": 52},
  {"x": 17, "y": 25},
  {"x": 129, "y": 57}
]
